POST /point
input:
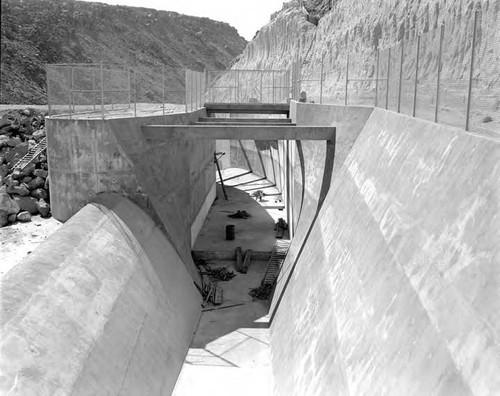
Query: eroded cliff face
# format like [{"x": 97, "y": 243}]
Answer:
[{"x": 359, "y": 28}]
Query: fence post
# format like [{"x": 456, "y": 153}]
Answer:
[
  {"x": 273, "y": 84},
  {"x": 102, "y": 91},
  {"x": 135, "y": 94},
  {"x": 376, "y": 79},
  {"x": 346, "y": 79},
  {"x": 321, "y": 82},
  {"x": 388, "y": 79},
  {"x": 440, "y": 54},
  {"x": 163, "y": 89},
  {"x": 49, "y": 94},
  {"x": 93, "y": 88},
  {"x": 416, "y": 78},
  {"x": 401, "y": 75},
  {"x": 70, "y": 91},
  {"x": 471, "y": 73},
  {"x": 129, "y": 88}
]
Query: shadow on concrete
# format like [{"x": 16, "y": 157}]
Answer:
[{"x": 325, "y": 187}]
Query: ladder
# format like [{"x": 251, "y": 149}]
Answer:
[
  {"x": 31, "y": 155},
  {"x": 278, "y": 256}
]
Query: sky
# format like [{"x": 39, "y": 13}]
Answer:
[{"x": 246, "y": 16}]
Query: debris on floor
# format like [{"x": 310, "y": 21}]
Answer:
[
  {"x": 280, "y": 227},
  {"x": 220, "y": 273},
  {"x": 210, "y": 290},
  {"x": 240, "y": 214},
  {"x": 262, "y": 292},
  {"x": 246, "y": 261},
  {"x": 258, "y": 195}
]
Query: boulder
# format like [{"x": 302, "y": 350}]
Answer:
[
  {"x": 39, "y": 135},
  {"x": 21, "y": 189},
  {"x": 12, "y": 218},
  {"x": 4, "y": 170},
  {"x": 4, "y": 218},
  {"x": 7, "y": 204},
  {"x": 14, "y": 142},
  {"x": 27, "y": 171},
  {"x": 10, "y": 181},
  {"x": 39, "y": 193},
  {"x": 40, "y": 173},
  {"x": 24, "y": 216},
  {"x": 28, "y": 204},
  {"x": 17, "y": 153},
  {"x": 43, "y": 208},
  {"x": 47, "y": 183},
  {"x": 37, "y": 182},
  {"x": 26, "y": 179}
]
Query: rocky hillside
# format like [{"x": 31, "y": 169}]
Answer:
[
  {"x": 316, "y": 30},
  {"x": 37, "y": 32}
]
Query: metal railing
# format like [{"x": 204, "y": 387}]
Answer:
[
  {"x": 242, "y": 86},
  {"x": 100, "y": 90}
]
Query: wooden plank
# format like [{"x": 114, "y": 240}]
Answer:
[
  {"x": 241, "y": 132},
  {"x": 239, "y": 259},
  {"x": 246, "y": 261},
  {"x": 248, "y": 108},
  {"x": 244, "y": 123},
  {"x": 240, "y": 120}
]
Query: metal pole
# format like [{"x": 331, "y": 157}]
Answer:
[
  {"x": 346, "y": 78},
  {"x": 129, "y": 88},
  {"x": 321, "y": 83},
  {"x": 186, "y": 90},
  {"x": 416, "y": 78},
  {"x": 376, "y": 79},
  {"x": 70, "y": 93},
  {"x": 93, "y": 88},
  {"x": 135, "y": 94},
  {"x": 49, "y": 94},
  {"x": 163, "y": 89},
  {"x": 261, "y": 72},
  {"x": 273, "y": 84},
  {"x": 388, "y": 79},
  {"x": 102, "y": 91},
  {"x": 400, "y": 75},
  {"x": 220, "y": 176},
  {"x": 471, "y": 73},
  {"x": 436, "y": 110},
  {"x": 237, "y": 93}
]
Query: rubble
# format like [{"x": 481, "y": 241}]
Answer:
[{"x": 22, "y": 190}]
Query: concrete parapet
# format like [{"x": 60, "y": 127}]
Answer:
[{"x": 104, "y": 306}]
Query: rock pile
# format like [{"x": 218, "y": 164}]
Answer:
[{"x": 22, "y": 192}]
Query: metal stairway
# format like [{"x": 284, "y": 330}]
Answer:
[
  {"x": 31, "y": 155},
  {"x": 278, "y": 256}
]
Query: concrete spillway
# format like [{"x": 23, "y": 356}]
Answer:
[{"x": 390, "y": 286}]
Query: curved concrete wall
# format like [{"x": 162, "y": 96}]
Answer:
[
  {"x": 172, "y": 182},
  {"x": 104, "y": 306},
  {"x": 396, "y": 288}
]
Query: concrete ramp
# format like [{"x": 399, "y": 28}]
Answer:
[
  {"x": 104, "y": 306},
  {"x": 396, "y": 290}
]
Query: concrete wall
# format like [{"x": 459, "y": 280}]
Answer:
[
  {"x": 171, "y": 181},
  {"x": 396, "y": 290},
  {"x": 104, "y": 306}
]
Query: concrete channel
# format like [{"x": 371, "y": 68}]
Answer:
[{"x": 390, "y": 285}]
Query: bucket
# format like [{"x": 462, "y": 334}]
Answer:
[{"x": 230, "y": 228}]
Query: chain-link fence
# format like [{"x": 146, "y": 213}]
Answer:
[
  {"x": 450, "y": 74},
  {"x": 99, "y": 90},
  {"x": 243, "y": 86}
]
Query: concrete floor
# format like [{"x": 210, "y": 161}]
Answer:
[
  {"x": 257, "y": 232},
  {"x": 230, "y": 352}
]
